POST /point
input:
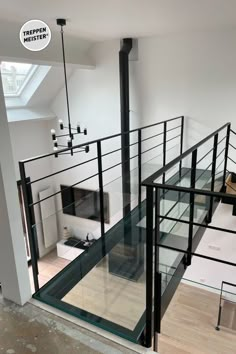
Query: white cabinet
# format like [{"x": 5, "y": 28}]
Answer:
[{"x": 67, "y": 252}]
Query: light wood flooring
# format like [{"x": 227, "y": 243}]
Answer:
[
  {"x": 188, "y": 326},
  {"x": 48, "y": 266},
  {"x": 108, "y": 296},
  {"x": 230, "y": 186}
]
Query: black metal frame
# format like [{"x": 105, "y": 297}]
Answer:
[
  {"x": 126, "y": 47},
  {"x": 99, "y": 156},
  {"x": 155, "y": 188},
  {"x": 30, "y": 198},
  {"x": 220, "y": 303}
]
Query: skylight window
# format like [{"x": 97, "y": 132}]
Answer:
[{"x": 15, "y": 76}]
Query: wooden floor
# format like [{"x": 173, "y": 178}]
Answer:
[
  {"x": 109, "y": 296},
  {"x": 230, "y": 186},
  {"x": 188, "y": 326},
  {"x": 49, "y": 266}
]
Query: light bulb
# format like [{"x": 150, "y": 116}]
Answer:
[
  {"x": 55, "y": 149},
  {"x": 53, "y": 132},
  {"x": 60, "y": 121},
  {"x": 69, "y": 142}
]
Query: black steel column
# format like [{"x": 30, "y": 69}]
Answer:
[
  {"x": 158, "y": 275},
  {"x": 226, "y": 153},
  {"x": 220, "y": 309},
  {"x": 139, "y": 166},
  {"x": 28, "y": 214},
  {"x": 213, "y": 171},
  {"x": 125, "y": 121},
  {"x": 164, "y": 150},
  {"x": 191, "y": 208},
  {"x": 181, "y": 145},
  {"x": 149, "y": 267},
  {"x": 100, "y": 181}
]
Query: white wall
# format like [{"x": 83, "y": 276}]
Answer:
[
  {"x": 219, "y": 245},
  {"x": 13, "y": 263},
  {"x": 189, "y": 74},
  {"x": 32, "y": 138},
  {"x": 95, "y": 102}
]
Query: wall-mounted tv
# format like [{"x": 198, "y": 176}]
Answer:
[{"x": 84, "y": 203}]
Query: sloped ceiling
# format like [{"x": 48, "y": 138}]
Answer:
[
  {"x": 38, "y": 106},
  {"x": 49, "y": 87}
]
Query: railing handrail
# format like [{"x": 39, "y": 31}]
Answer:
[
  {"x": 149, "y": 181},
  {"x": 97, "y": 140}
]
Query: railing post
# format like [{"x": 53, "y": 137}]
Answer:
[
  {"x": 158, "y": 275},
  {"x": 181, "y": 145},
  {"x": 226, "y": 154},
  {"x": 213, "y": 171},
  {"x": 100, "y": 181},
  {"x": 139, "y": 166},
  {"x": 220, "y": 309},
  {"x": 164, "y": 149},
  {"x": 191, "y": 209},
  {"x": 149, "y": 267},
  {"x": 28, "y": 214}
]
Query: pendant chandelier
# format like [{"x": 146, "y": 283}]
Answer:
[{"x": 70, "y": 131}]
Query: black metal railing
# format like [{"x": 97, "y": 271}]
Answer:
[
  {"x": 143, "y": 144},
  {"x": 224, "y": 298},
  {"x": 210, "y": 191}
]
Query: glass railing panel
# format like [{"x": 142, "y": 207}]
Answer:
[
  {"x": 173, "y": 137},
  {"x": 207, "y": 273},
  {"x": 219, "y": 173},
  {"x": 169, "y": 262}
]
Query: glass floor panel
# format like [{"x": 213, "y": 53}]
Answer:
[{"x": 106, "y": 284}]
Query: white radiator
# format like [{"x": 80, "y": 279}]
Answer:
[{"x": 49, "y": 220}]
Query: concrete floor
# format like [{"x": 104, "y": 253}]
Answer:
[{"x": 29, "y": 329}]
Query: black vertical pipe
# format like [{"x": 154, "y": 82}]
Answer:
[
  {"x": 139, "y": 166},
  {"x": 191, "y": 209},
  {"x": 100, "y": 181},
  {"x": 220, "y": 309},
  {"x": 213, "y": 171},
  {"x": 181, "y": 144},
  {"x": 157, "y": 277},
  {"x": 226, "y": 153},
  {"x": 125, "y": 121},
  {"x": 164, "y": 150},
  {"x": 28, "y": 214},
  {"x": 149, "y": 267}
]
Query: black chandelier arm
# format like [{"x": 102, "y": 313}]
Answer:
[
  {"x": 79, "y": 133},
  {"x": 62, "y": 135},
  {"x": 70, "y": 128},
  {"x": 84, "y": 131}
]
